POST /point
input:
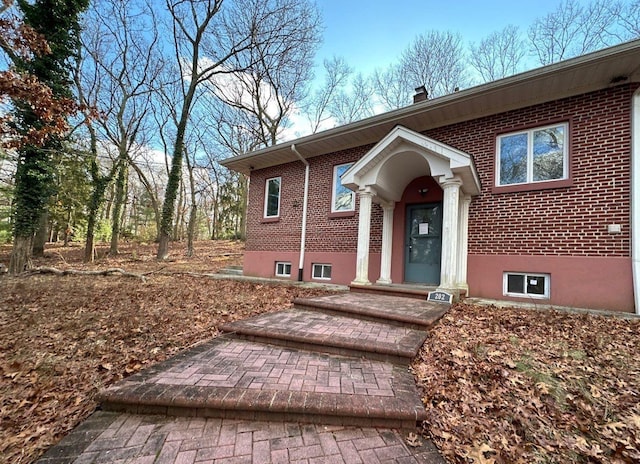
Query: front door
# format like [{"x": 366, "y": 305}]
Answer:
[{"x": 423, "y": 243}]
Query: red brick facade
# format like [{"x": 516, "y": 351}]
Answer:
[
  {"x": 325, "y": 232},
  {"x": 558, "y": 221},
  {"x": 561, "y": 223}
]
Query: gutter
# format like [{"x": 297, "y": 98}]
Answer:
[
  {"x": 635, "y": 197},
  {"x": 305, "y": 201}
]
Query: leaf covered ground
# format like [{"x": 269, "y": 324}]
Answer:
[
  {"x": 500, "y": 385},
  {"x": 522, "y": 386},
  {"x": 62, "y": 339}
]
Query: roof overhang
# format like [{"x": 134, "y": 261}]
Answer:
[{"x": 594, "y": 71}]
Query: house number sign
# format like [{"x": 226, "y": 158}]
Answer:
[{"x": 440, "y": 297}]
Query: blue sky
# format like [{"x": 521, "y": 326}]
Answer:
[{"x": 373, "y": 33}]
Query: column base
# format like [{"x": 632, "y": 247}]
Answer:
[
  {"x": 384, "y": 282},
  {"x": 360, "y": 282}
]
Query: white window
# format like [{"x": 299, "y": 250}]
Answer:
[
  {"x": 283, "y": 269},
  {"x": 342, "y": 198},
  {"x": 525, "y": 284},
  {"x": 272, "y": 197},
  {"x": 534, "y": 155},
  {"x": 322, "y": 271}
]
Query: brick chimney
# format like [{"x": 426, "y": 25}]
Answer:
[{"x": 421, "y": 94}]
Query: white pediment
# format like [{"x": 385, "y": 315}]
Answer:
[{"x": 401, "y": 156}]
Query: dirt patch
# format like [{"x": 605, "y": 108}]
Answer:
[{"x": 62, "y": 339}]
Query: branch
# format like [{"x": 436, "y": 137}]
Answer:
[{"x": 62, "y": 272}]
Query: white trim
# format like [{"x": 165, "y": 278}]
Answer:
[
  {"x": 323, "y": 266},
  {"x": 525, "y": 294},
  {"x": 635, "y": 197},
  {"x": 433, "y": 157},
  {"x": 284, "y": 264},
  {"x": 266, "y": 197},
  {"x": 529, "y": 175},
  {"x": 335, "y": 179}
]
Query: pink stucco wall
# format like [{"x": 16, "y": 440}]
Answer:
[{"x": 576, "y": 281}]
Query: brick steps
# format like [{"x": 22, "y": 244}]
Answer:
[
  {"x": 405, "y": 312},
  {"x": 343, "y": 335},
  {"x": 418, "y": 292},
  {"x": 339, "y": 360},
  {"x": 232, "y": 378}
]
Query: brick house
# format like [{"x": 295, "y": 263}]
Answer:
[{"x": 523, "y": 189}]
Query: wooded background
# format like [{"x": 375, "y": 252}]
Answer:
[{"x": 116, "y": 113}]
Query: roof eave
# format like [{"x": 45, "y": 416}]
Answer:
[{"x": 575, "y": 76}]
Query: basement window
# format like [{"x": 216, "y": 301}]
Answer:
[
  {"x": 283, "y": 269},
  {"x": 526, "y": 285},
  {"x": 321, "y": 271}
]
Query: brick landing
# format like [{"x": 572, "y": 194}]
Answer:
[
  {"x": 108, "y": 437},
  {"x": 339, "y": 391}
]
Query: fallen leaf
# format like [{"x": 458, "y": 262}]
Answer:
[{"x": 413, "y": 440}]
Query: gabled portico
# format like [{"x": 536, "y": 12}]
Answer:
[{"x": 382, "y": 175}]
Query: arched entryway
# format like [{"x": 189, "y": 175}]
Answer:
[{"x": 382, "y": 176}]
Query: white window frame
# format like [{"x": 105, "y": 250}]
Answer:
[
  {"x": 529, "y": 178},
  {"x": 323, "y": 267},
  {"x": 335, "y": 180},
  {"x": 284, "y": 265},
  {"x": 527, "y": 275},
  {"x": 266, "y": 197}
]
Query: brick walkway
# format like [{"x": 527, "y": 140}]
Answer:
[{"x": 233, "y": 400}]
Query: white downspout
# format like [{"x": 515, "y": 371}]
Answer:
[
  {"x": 635, "y": 197},
  {"x": 305, "y": 201}
]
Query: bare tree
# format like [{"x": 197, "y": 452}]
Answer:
[
  {"x": 118, "y": 79},
  {"x": 391, "y": 87},
  {"x": 498, "y": 55},
  {"x": 573, "y": 30},
  {"x": 204, "y": 42},
  {"x": 355, "y": 104},
  {"x": 337, "y": 73},
  {"x": 211, "y": 41},
  {"x": 436, "y": 60},
  {"x": 278, "y": 67},
  {"x": 627, "y": 19}
]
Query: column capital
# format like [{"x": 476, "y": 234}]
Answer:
[
  {"x": 388, "y": 205},
  {"x": 367, "y": 192},
  {"x": 450, "y": 182}
]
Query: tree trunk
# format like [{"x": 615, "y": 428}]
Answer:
[
  {"x": 191, "y": 229},
  {"x": 193, "y": 213},
  {"x": 94, "y": 206},
  {"x": 20, "y": 255},
  {"x": 68, "y": 231},
  {"x": 117, "y": 209},
  {"x": 40, "y": 238},
  {"x": 163, "y": 246}
]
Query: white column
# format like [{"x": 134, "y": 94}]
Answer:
[
  {"x": 450, "y": 213},
  {"x": 463, "y": 243},
  {"x": 364, "y": 235},
  {"x": 387, "y": 242}
]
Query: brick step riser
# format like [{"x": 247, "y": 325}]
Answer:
[
  {"x": 374, "y": 290},
  {"x": 326, "y": 348},
  {"x": 338, "y": 311},
  {"x": 267, "y": 416}
]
